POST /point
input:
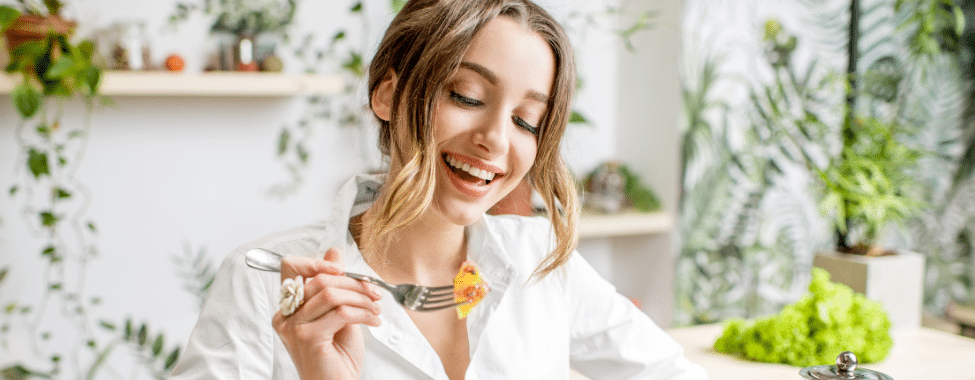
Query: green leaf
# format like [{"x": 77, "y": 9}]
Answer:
[
  {"x": 15, "y": 372},
  {"x": 959, "y": 20},
  {"x": 48, "y": 219},
  {"x": 91, "y": 226},
  {"x": 13, "y": 190},
  {"x": 357, "y": 8},
  {"x": 87, "y": 49},
  {"x": 107, "y": 325},
  {"x": 37, "y": 163},
  {"x": 10, "y": 308},
  {"x": 302, "y": 153},
  {"x": 578, "y": 118},
  {"x": 143, "y": 334},
  {"x": 157, "y": 346},
  {"x": 61, "y": 69},
  {"x": 283, "y": 141},
  {"x": 27, "y": 99},
  {"x": 3, "y": 273},
  {"x": 127, "y": 333},
  {"x": 397, "y": 5},
  {"x": 93, "y": 77},
  {"x": 61, "y": 193},
  {"x": 7, "y": 16},
  {"x": 171, "y": 360},
  {"x": 102, "y": 356},
  {"x": 354, "y": 64}
]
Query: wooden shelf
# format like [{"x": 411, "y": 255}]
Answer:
[
  {"x": 215, "y": 84},
  {"x": 627, "y": 223}
]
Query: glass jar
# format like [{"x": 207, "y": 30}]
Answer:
[{"x": 129, "y": 46}]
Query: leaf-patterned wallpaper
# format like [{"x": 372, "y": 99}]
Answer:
[{"x": 764, "y": 91}]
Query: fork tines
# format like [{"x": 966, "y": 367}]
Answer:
[{"x": 438, "y": 298}]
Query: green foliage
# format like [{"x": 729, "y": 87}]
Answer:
[
  {"x": 869, "y": 185},
  {"x": 241, "y": 17},
  {"x": 936, "y": 25},
  {"x": 151, "y": 350},
  {"x": 813, "y": 330},
  {"x": 641, "y": 197},
  {"x": 196, "y": 272}
]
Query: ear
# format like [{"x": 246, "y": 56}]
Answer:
[{"x": 382, "y": 97}]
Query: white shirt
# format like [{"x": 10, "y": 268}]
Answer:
[{"x": 521, "y": 330}]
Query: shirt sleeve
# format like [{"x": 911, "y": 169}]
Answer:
[
  {"x": 233, "y": 337},
  {"x": 613, "y": 339}
]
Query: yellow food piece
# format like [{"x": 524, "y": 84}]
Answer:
[{"x": 469, "y": 288}]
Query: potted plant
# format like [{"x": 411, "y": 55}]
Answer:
[
  {"x": 239, "y": 24},
  {"x": 866, "y": 188},
  {"x": 40, "y": 50}
]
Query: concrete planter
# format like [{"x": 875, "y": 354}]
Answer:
[{"x": 896, "y": 281}]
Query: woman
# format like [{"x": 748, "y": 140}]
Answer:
[{"x": 472, "y": 98}]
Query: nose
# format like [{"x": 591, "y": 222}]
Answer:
[{"x": 491, "y": 136}]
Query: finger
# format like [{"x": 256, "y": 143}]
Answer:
[
  {"x": 307, "y": 267},
  {"x": 331, "y": 298},
  {"x": 334, "y": 255},
  {"x": 323, "y": 281},
  {"x": 340, "y": 317}
]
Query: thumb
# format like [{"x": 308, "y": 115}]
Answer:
[{"x": 334, "y": 255}]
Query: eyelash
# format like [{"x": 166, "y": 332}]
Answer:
[{"x": 470, "y": 102}]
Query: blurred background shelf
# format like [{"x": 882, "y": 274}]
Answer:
[
  {"x": 214, "y": 84},
  {"x": 627, "y": 223}
]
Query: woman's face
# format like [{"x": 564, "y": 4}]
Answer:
[{"x": 486, "y": 120}]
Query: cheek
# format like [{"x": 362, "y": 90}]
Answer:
[
  {"x": 523, "y": 152},
  {"x": 448, "y": 122}
]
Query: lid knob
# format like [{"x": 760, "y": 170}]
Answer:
[
  {"x": 846, "y": 363},
  {"x": 845, "y": 369}
]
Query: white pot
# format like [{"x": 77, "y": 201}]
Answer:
[{"x": 896, "y": 281}]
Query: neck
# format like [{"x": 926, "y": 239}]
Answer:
[{"x": 428, "y": 251}]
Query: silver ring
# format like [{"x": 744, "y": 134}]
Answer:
[{"x": 292, "y": 295}]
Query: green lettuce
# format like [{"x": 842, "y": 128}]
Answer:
[{"x": 813, "y": 330}]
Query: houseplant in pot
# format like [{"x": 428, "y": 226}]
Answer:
[{"x": 866, "y": 188}]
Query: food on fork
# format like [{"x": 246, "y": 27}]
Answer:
[{"x": 469, "y": 289}]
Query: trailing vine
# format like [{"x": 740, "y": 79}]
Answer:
[{"x": 54, "y": 203}]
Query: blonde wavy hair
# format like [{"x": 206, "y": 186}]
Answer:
[{"x": 423, "y": 46}]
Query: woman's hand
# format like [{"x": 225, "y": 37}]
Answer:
[{"x": 323, "y": 336}]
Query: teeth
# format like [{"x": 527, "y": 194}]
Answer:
[{"x": 482, "y": 174}]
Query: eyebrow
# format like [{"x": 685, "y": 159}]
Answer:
[{"x": 489, "y": 75}]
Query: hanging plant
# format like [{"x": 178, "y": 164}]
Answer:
[{"x": 52, "y": 69}]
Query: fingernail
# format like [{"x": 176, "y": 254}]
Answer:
[{"x": 375, "y": 292}]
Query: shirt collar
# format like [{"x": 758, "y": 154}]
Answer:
[{"x": 484, "y": 248}]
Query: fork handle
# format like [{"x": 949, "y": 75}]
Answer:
[
  {"x": 262, "y": 259},
  {"x": 378, "y": 282}
]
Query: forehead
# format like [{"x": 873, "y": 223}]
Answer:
[{"x": 517, "y": 57}]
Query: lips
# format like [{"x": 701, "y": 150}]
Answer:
[{"x": 471, "y": 177}]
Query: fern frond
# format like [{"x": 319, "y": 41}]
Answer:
[{"x": 196, "y": 271}]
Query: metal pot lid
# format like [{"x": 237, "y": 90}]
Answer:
[{"x": 845, "y": 369}]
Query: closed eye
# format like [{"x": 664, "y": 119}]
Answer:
[
  {"x": 463, "y": 100},
  {"x": 524, "y": 125}
]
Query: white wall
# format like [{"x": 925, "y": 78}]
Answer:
[{"x": 165, "y": 172}]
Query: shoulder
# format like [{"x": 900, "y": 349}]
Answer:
[
  {"x": 301, "y": 241},
  {"x": 526, "y": 240}
]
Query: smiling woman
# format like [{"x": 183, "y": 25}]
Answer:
[{"x": 472, "y": 98}]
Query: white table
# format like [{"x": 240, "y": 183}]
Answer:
[{"x": 919, "y": 353}]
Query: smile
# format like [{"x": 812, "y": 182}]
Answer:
[{"x": 468, "y": 176}]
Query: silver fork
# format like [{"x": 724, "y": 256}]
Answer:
[{"x": 413, "y": 297}]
